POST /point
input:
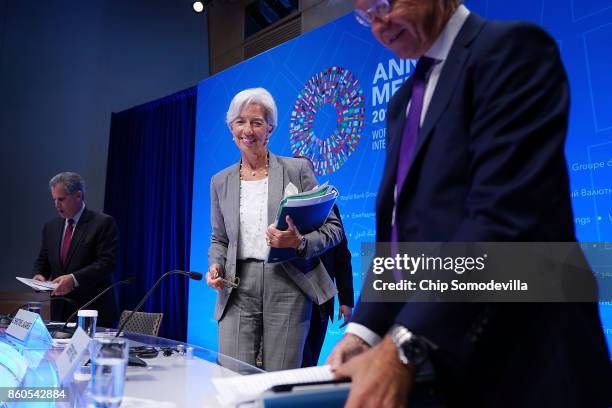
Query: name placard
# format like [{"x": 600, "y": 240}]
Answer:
[
  {"x": 22, "y": 324},
  {"x": 29, "y": 329},
  {"x": 72, "y": 356}
]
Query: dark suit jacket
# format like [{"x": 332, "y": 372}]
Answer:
[
  {"x": 91, "y": 258},
  {"x": 337, "y": 262},
  {"x": 490, "y": 166}
]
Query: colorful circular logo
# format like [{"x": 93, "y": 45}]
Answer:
[{"x": 337, "y": 87}]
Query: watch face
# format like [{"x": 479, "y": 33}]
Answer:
[{"x": 415, "y": 351}]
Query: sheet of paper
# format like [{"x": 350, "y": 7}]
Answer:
[
  {"x": 232, "y": 390},
  {"x": 37, "y": 285},
  {"x": 311, "y": 201}
]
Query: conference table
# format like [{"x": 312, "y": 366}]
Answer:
[{"x": 171, "y": 379}]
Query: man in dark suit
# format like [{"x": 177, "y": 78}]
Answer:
[
  {"x": 337, "y": 262},
  {"x": 475, "y": 153},
  {"x": 77, "y": 252}
]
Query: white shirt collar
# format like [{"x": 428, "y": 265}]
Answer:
[
  {"x": 77, "y": 216},
  {"x": 441, "y": 47}
]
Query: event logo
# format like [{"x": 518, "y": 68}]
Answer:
[{"x": 338, "y": 88}]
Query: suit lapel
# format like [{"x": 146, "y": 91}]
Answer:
[
  {"x": 275, "y": 187},
  {"x": 233, "y": 198},
  {"x": 59, "y": 233},
  {"x": 449, "y": 78}
]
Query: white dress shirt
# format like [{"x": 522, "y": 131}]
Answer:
[{"x": 253, "y": 219}]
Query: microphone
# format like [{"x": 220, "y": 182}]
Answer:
[
  {"x": 191, "y": 275},
  {"x": 61, "y": 334}
]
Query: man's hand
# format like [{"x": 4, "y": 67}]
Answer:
[
  {"x": 65, "y": 285},
  {"x": 347, "y": 348},
  {"x": 213, "y": 277},
  {"x": 378, "y": 377},
  {"x": 346, "y": 312},
  {"x": 39, "y": 277},
  {"x": 290, "y": 238}
]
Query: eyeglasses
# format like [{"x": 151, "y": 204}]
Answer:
[
  {"x": 379, "y": 9},
  {"x": 234, "y": 283},
  {"x": 228, "y": 283}
]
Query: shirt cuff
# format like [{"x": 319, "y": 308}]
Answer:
[
  {"x": 76, "y": 282},
  {"x": 363, "y": 332}
]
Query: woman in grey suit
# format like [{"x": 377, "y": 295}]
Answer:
[{"x": 270, "y": 308}]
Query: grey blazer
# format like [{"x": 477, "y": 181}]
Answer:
[{"x": 309, "y": 274}]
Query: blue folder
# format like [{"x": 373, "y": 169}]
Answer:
[
  {"x": 306, "y": 219},
  {"x": 332, "y": 396}
]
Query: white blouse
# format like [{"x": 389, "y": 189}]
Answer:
[{"x": 253, "y": 219}]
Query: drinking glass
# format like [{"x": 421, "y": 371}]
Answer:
[
  {"x": 87, "y": 321},
  {"x": 108, "y": 365},
  {"x": 78, "y": 386},
  {"x": 34, "y": 307}
]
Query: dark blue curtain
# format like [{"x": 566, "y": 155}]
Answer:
[{"x": 148, "y": 190}]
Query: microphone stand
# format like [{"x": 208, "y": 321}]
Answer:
[
  {"x": 192, "y": 275},
  {"x": 61, "y": 334}
]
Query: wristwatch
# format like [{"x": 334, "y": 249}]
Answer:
[
  {"x": 411, "y": 349},
  {"x": 301, "y": 248}
]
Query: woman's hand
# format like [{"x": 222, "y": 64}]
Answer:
[
  {"x": 345, "y": 312},
  {"x": 213, "y": 277},
  {"x": 290, "y": 238}
]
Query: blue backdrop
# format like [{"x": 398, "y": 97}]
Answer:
[{"x": 344, "y": 62}]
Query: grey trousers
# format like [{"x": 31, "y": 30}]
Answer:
[{"x": 268, "y": 310}]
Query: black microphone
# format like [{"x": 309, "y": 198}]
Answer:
[
  {"x": 191, "y": 275},
  {"x": 61, "y": 334}
]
